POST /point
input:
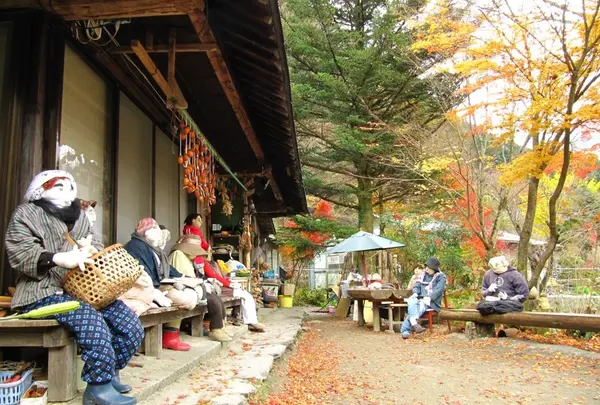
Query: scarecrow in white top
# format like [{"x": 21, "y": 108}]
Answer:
[{"x": 41, "y": 255}]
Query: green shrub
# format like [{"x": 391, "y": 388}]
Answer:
[
  {"x": 310, "y": 298},
  {"x": 460, "y": 298}
]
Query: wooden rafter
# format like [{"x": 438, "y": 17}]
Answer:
[
  {"x": 170, "y": 93},
  {"x": 165, "y": 48},
  {"x": 72, "y": 10},
  {"x": 206, "y": 36},
  {"x": 217, "y": 61}
]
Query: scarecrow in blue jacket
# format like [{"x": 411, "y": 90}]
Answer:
[{"x": 427, "y": 294}]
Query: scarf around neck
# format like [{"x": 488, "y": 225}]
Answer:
[
  {"x": 163, "y": 266},
  {"x": 428, "y": 284},
  {"x": 69, "y": 215}
]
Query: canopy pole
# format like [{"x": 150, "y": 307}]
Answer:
[{"x": 365, "y": 271}]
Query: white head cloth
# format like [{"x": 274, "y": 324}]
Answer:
[
  {"x": 35, "y": 189},
  {"x": 499, "y": 264}
]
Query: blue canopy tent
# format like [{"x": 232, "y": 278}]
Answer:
[{"x": 364, "y": 241}]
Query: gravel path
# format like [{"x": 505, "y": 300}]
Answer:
[{"x": 336, "y": 362}]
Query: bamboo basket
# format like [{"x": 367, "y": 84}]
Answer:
[{"x": 113, "y": 272}]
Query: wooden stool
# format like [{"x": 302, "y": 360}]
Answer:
[{"x": 396, "y": 315}]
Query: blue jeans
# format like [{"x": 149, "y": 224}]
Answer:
[{"x": 416, "y": 308}]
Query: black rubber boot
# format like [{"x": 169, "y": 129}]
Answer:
[
  {"x": 105, "y": 394},
  {"x": 116, "y": 383}
]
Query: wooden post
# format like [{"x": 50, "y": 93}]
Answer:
[
  {"x": 197, "y": 325},
  {"x": 376, "y": 317},
  {"x": 485, "y": 330},
  {"x": 365, "y": 271},
  {"x": 153, "y": 341},
  {"x": 361, "y": 312},
  {"x": 62, "y": 372}
]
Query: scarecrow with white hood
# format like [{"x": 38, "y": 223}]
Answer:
[
  {"x": 504, "y": 289},
  {"x": 38, "y": 250}
]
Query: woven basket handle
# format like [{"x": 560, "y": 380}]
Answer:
[{"x": 70, "y": 240}]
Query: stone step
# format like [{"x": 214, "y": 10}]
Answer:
[
  {"x": 229, "y": 378},
  {"x": 157, "y": 374}
]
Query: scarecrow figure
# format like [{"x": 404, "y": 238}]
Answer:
[
  {"x": 504, "y": 289},
  {"x": 39, "y": 252},
  {"x": 427, "y": 294}
]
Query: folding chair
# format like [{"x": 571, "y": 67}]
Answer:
[{"x": 429, "y": 314}]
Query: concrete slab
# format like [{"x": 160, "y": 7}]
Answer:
[
  {"x": 228, "y": 378},
  {"x": 157, "y": 374}
]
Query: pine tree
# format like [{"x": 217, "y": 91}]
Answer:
[{"x": 359, "y": 93}]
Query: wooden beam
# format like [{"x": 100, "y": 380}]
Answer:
[
  {"x": 151, "y": 67},
  {"x": 8, "y": 4},
  {"x": 585, "y": 322},
  {"x": 173, "y": 86},
  {"x": 165, "y": 48},
  {"x": 273, "y": 184},
  {"x": 217, "y": 61},
  {"x": 72, "y": 10}
]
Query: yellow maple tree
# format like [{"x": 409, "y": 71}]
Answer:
[{"x": 532, "y": 69}]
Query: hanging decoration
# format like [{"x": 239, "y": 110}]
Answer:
[
  {"x": 198, "y": 159},
  {"x": 199, "y": 174},
  {"x": 227, "y": 206}
]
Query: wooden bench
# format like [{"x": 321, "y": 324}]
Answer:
[
  {"x": 62, "y": 352},
  {"x": 153, "y": 321},
  {"x": 235, "y": 304},
  {"x": 62, "y": 349},
  {"x": 485, "y": 324}
]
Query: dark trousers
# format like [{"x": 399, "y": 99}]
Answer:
[
  {"x": 108, "y": 338},
  {"x": 216, "y": 311}
]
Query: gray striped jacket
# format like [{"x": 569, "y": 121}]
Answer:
[{"x": 31, "y": 232}]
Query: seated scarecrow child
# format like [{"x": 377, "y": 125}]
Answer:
[
  {"x": 504, "y": 289},
  {"x": 193, "y": 222},
  {"x": 427, "y": 294},
  {"x": 39, "y": 252}
]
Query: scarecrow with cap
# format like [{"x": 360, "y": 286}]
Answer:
[
  {"x": 38, "y": 251},
  {"x": 427, "y": 294},
  {"x": 504, "y": 289}
]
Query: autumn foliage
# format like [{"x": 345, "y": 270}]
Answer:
[{"x": 302, "y": 237}]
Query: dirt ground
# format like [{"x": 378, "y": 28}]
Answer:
[{"x": 336, "y": 362}]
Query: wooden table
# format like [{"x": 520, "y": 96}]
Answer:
[{"x": 360, "y": 295}]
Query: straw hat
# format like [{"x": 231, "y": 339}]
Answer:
[{"x": 190, "y": 245}]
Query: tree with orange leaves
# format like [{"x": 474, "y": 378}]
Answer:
[
  {"x": 301, "y": 238},
  {"x": 532, "y": 71}
]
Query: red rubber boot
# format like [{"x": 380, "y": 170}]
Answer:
[{"x": 171, "y": 341}]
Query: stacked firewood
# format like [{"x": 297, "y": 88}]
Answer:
[{"x": 256, "y": 287}]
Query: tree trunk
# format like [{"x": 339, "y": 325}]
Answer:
[
  {"x": 527, "y": 228},
  {"x": 365, "y": 212},
  {"x": 365, "y": 205},
  {"x": 553, "y": 211}
]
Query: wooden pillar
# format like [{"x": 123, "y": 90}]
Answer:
[{"x": 29, "y": 113}]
